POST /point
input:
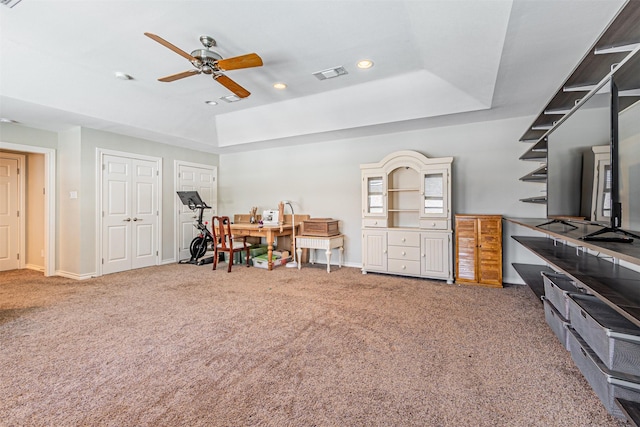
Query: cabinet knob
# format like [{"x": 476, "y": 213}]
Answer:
[
  {"x": 404, "y": 240},
  {"x": 404, "y": 267},
  {"x": 433, "y": 224},
  {"x": 403, "y": 253}
]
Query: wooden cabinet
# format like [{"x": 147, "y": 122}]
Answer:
[
  {"x": 479, "y": 249},
  {"x": 406, "y": 216}
]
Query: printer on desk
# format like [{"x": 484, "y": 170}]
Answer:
[{"x": 270, "y": 217}]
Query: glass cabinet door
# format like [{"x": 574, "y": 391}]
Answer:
[
  {"x": 435, "y": 194},
  {"x": 374, "y": 195}
]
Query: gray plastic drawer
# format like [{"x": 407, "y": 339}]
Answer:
[
  {"x": 556, "y": 288},
  {"x": 612, "y": 337},
  {"x": 556, "y": 322},
  {"x": 608, "y": 385}
]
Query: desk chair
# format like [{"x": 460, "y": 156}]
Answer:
[{"x": 223, "y": 240}]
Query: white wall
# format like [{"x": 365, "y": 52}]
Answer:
[
  {"x": 323, "y": 179},
  {"x": 76, "y": 171}
]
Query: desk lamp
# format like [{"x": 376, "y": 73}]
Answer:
[{"x": 293, "y": 224}]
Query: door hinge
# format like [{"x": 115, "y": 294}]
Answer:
[
  {"x": 157, "y": 213},
  {"x": 156, "y": 253},
  {"x": 157, "y": 173},
  {"x": 103, "y": 260},
  {"x": 18, "y": 214},
  {"x": 44, "y": 191},
  {"x": 104, "y": 167},
  {"x": 18, "y": 171},
  {"x": 18, "y": 256},
  {"x": 179, "y": 175}
]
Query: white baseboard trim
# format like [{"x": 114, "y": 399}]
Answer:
[
  {"x": 34, "y": 267},
  {"x": 74, "y": 275},
  {"x": 168, "y": 261}
]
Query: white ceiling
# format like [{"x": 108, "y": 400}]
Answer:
[{"x": 436, "y": 63}]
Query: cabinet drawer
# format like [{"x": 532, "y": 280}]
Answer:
[
  {"x": 374, "y": 222},
  {"x": 404, "y": 252},
  {"x": 434, "y": 224},
  {"x": 403, "y": 238},
  {"x": 401, "y": 266}
]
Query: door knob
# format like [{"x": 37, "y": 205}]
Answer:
[
  {"x": 127, "y": 220},
  {"x": 137, "y": 219}
]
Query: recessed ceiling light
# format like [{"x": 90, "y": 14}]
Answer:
[
  {"x": 230, "y": 98},
  {"x": 279, "y": 85},
  {"x": 211, "y": 102},
  {"x": 123, "y": 76},
  {"x": 365, "y": 63}
]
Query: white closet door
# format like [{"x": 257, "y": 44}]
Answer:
[
  {"x": 203, "y": 180},
  {"x": 9, "y": 219},
  {"x": 145, "y": 213},
  {"x": 130, "y": 213}
]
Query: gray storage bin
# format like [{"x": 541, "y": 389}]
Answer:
[
  {"x": 608, "y": 385},
  {"x": 556, "y": 288},
  {"x": 612, "y": 337},
  {"x": 556, "y": 322}
]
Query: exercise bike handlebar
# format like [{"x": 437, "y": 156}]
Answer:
[{"x": 193, "y": 207}]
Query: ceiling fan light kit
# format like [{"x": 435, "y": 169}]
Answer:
[
  {"x": 209, "y": 62},
  {"x": 230, "y": 98}
]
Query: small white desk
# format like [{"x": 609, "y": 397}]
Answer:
[{"x": 317, "y": 242}]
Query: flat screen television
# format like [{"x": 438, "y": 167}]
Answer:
[{"x": 593, "y": 159}]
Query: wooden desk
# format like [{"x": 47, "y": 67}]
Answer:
[
  {"x": 268, "y": 232},
  {"x": 317, "y": 242}
]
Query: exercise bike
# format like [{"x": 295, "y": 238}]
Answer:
[{"x": 204, "y": 239}]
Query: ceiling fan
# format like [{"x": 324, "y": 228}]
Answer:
[{"x": 207, "y": 61}]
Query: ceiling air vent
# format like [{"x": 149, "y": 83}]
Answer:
[
  {"x": 10, "y": 3},
  {"x": 330, "y": 73}
]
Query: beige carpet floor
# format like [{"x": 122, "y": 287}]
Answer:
[{"x": 181, "y": 345}]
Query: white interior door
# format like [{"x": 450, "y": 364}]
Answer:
[
  {"x": 9, "y": 214},
  {"x": 145, "y": 213},
  {"x": 203, "y": 180},
  {"x": 130, "y": 213}
]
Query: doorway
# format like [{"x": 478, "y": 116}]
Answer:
[
  {"x": 49, "y": 205},
  {"x": 193, "y": 177}
]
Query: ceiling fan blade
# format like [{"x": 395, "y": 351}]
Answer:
[
  {"x": 245, "y": 61},
  {"x": 165, "y": 43},
  {"x": 179, "y": 76},
  {"x": 231, "y": 85}
]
